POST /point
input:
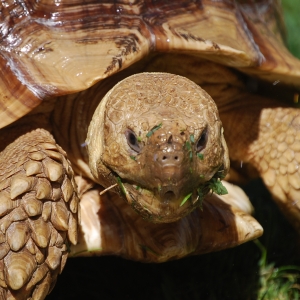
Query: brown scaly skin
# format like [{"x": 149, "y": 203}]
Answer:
[
  {"x": 244, "y": 145},
  {"x": 38, "y": 210},
  {"x": 39, "y": 187},
  {"x": 271, "y": 146},
  {"x": 48, "y": 50},
  {"x": 258, "y": 130},
  {"x": 153, "y": 145}
]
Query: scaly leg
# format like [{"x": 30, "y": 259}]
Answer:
[
  {"x": 38, "y": 215},
  {"x": 268, "y": 136}
]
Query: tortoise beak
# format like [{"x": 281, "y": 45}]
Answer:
[{"x": 164, "y": 207}]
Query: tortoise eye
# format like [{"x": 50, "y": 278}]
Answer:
[
  {"x": 201, "y": 143},
  {"x": 132, "y": 140}
]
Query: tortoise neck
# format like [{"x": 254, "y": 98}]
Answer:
[{"x": 70, "y": 121}]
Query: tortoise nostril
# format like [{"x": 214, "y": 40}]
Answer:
[{"x": 170, "y": 158}]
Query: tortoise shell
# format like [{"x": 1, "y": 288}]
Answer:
[
  {"x": 55, "y": 48},
  {"x": 51, "y": 48}
]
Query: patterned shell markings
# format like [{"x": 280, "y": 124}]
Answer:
[{"x": 50, "y": 49}]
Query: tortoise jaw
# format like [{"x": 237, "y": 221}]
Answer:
[{"x": 165, "y": 206}]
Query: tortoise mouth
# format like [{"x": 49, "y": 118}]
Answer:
[
  {"x": 164, "y": 207},
  {"x": 169, "y": 196}
]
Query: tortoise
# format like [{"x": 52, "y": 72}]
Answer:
[{"x": 103, "y": 102}]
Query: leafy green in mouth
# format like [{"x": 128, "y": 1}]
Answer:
[
  {"x": 214, "y": 184},
  {"x": 186, "y": 198},
  {"x": 217, "y": 187},
  {"x": 120, "y": 184}
]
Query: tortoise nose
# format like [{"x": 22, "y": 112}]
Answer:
[{"x": 169, "y": 158}]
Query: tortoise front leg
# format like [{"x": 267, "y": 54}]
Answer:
[
  {"x": 38, "y": 215},
  {"x": 268, "y": 137}
]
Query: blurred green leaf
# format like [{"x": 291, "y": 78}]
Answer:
[{"x": 291, "y": 10}]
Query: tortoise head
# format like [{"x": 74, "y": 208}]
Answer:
[{"x": 160, "y": 138}]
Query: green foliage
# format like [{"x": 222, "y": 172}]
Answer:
[
  {"x": 291, "y": 11},
  {"x": 200, "y": 156},
  {"x": 120, "y": 184},
  {"x": 217, "y": 186},
  {"x": 277, "y": 282},
  {"x": 186, "y": 198}
]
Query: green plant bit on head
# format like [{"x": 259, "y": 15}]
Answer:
[
  {"x": 138, "y": 188},
  {"x": 192, "y": 139},
  {"x": 139, "y": 139},
  {"x": 188, "y": 146},
  {"x": 120, "y": 184},
  {"x": 132, "y": 157},
  {"x": 217, "y": 187},
  {"x": 185, "y": 199},
  {"x": 200, "y": 155},
  {"x": 153, "y": 130}
]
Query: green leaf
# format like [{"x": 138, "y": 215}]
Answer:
[
  {"x": 139, "y": 139},
  {"x": 185, "y": 199},
  {"x": 132, "y": 157},
  {"x": 121, "y": 185},
  {"x": 188, "y": 145},
  {"x": 192, "y": 139},
  {"x": 200, "y": 155},
  {"x": 217, "y": 187},
  {"x": 153, "y": 130}
]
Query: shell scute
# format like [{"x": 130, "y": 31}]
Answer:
[{"x": 51, "y": 50}]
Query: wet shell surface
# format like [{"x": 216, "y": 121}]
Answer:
[{"x": 49, "y": 48}]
